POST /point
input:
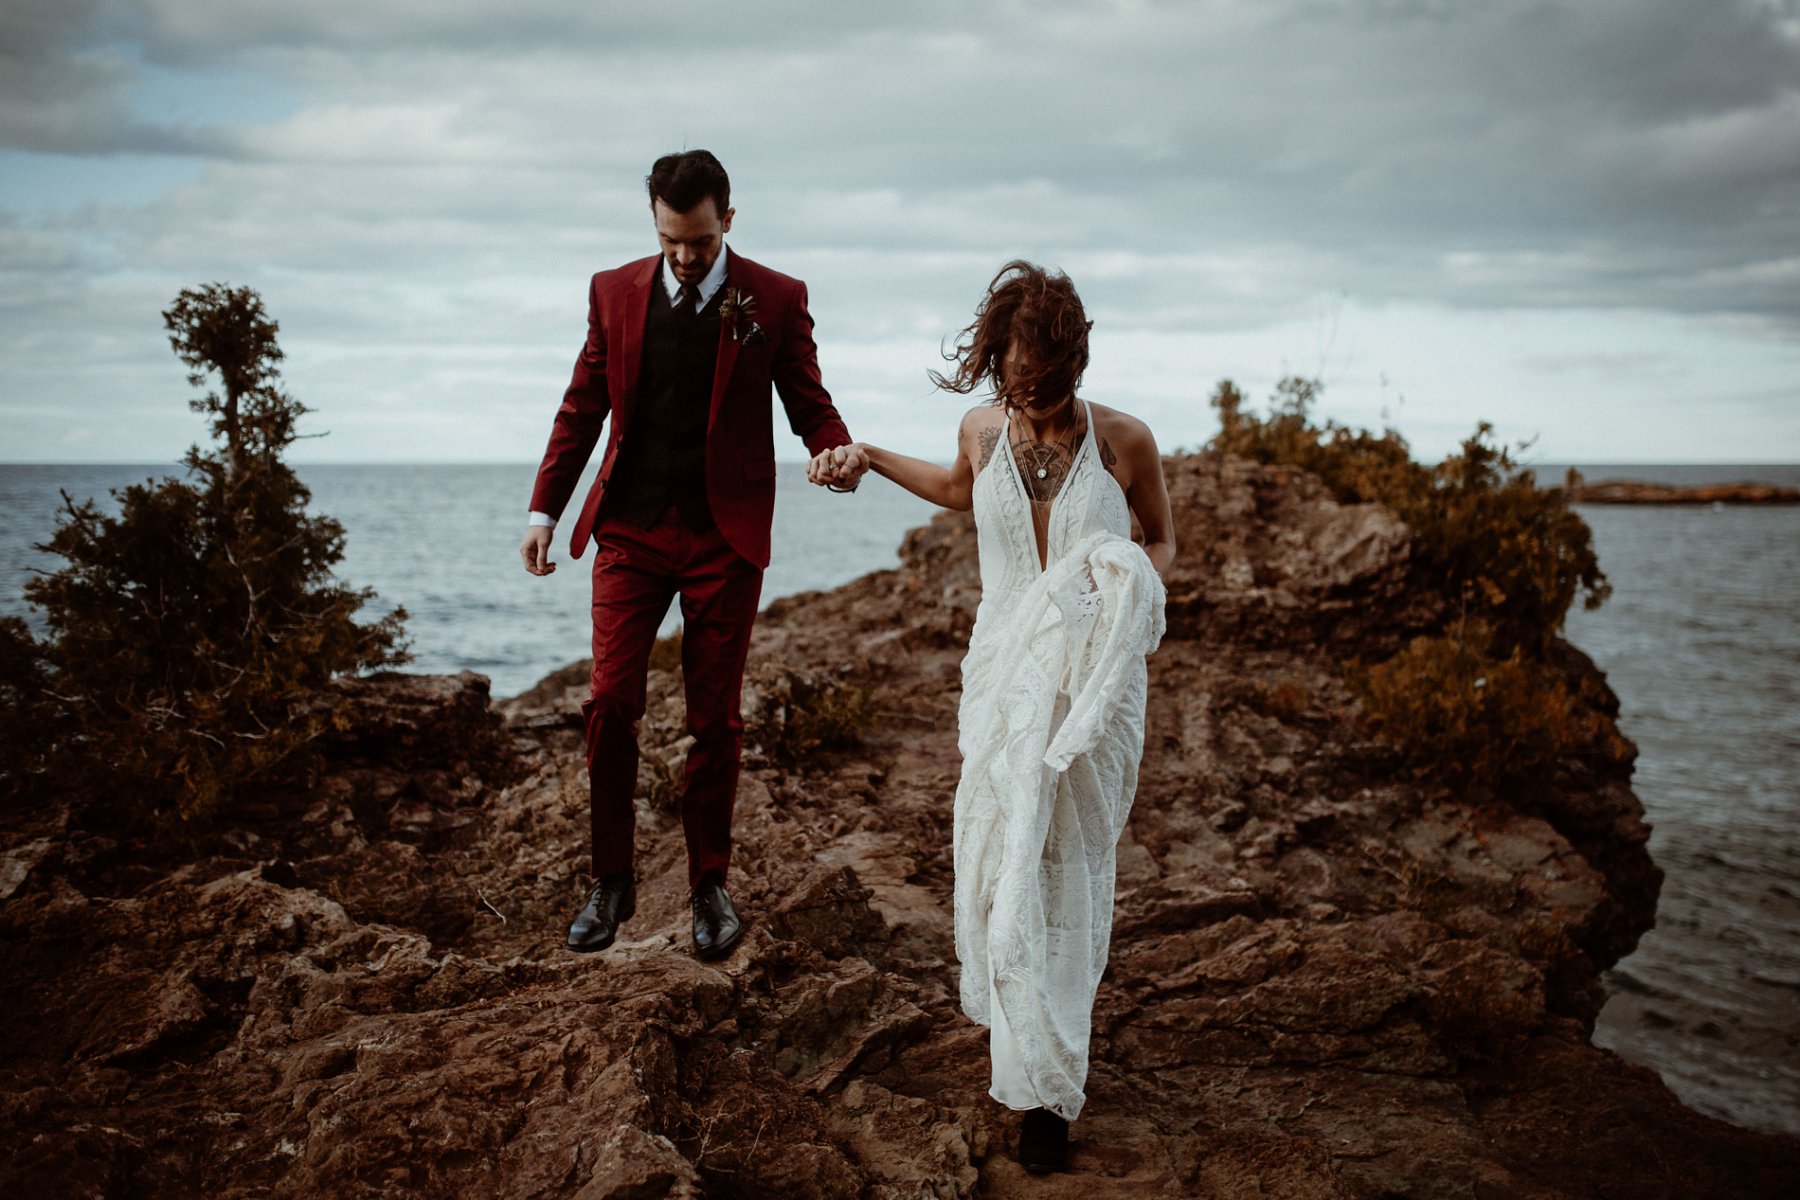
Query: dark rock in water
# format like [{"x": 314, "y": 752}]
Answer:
[
  {"x": 1327, "y": 980},
  {"x": 1632, "y": 491}
]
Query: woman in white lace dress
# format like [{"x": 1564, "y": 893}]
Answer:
[{"x": 1051, "y": 724}]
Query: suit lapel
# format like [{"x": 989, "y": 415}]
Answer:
[
  {"x": 636, "y": 313},
  {"x": 728, "y": 352},
  {"x": 738, "y": 272}
]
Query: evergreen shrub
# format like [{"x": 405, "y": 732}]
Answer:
[
  {"x": 1476, "y": 704},
  {"x": 190, "y": 635},
  {"x": 1475, "y": 718}
]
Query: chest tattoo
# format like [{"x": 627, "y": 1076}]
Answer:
[
  {"x": 1043, "y": 466},
  {"x": 1108, "y": 459}
]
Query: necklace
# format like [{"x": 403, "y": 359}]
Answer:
[{"x": 1041, "y": 458}]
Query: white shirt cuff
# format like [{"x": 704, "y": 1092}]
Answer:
[{"x": 544, "y": 519}]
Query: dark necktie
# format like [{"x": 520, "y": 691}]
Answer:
[{"x": 684, "y": 306}]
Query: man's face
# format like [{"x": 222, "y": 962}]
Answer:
[{"x": 691, "y": 240}]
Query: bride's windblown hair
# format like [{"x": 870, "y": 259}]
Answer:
[{"x": 1037, "y": 311}]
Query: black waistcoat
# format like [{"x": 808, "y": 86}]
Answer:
[{"x": 662, "y": 460}]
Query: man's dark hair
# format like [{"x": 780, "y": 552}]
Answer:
[{"x": 683, "y": 180}]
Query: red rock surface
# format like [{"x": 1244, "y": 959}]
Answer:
[{"x": 1327, "y": 980}]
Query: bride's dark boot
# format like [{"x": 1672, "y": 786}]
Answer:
[{"x": 1043, "y": 1141}]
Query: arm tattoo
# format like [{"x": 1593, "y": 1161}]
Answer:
[{"x": 988, "y": 439}]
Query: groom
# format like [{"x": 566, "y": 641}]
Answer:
[{"x": 682, "y": 350}]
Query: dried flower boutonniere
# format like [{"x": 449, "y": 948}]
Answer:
[{"x": 738, "y": 311}]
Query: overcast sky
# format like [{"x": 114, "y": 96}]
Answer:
[{"x": 1579, "y": 219}]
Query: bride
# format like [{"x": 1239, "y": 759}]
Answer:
[{"x": 1051, "y": 723}]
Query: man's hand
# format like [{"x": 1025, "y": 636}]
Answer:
[
  {"x": 819, "y": 470},
  {"x": 535, "y": 550},
  {"x": 841, "y": 466}
]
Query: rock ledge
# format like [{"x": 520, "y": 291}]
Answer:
[{"x": 1327, "y": 980}]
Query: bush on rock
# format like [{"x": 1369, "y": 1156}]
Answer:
[
  {"x": 189, "y": 634},
  {"x": 1475, "y": 705}
]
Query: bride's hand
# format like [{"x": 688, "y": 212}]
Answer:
[{"x": 852, "y": 464}]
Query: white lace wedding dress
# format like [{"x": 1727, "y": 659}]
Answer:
[{"x": 1051, "y": 729}]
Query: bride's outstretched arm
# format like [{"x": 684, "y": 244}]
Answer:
[{"x": 948, "y": 487}]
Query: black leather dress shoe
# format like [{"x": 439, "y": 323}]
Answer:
[
  {"x": 609, "y": 904},
  {"x": 717, "y": 927},
  {"x": 1043, "y": 1141}
]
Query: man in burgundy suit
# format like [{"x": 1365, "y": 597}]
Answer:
[{"x": 682, "y": 351}]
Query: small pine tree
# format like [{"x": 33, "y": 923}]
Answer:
[{"x": 190, "y": 635}]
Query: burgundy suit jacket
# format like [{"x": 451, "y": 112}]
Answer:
[{"x": 740, "y": 444}]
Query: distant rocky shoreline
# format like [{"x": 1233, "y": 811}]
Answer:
[
  {"x": 1329, "y": 980},
  {"x": 1634, "y": 491}
]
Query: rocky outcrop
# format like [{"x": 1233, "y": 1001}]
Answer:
[
  {"x": 1328, "y": 980},
  {"x": 1632, "y": 491}
]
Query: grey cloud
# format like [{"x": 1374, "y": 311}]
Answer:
[
  {"x": 57, "y": 91},
  {"x": 201, "y": 31},
  {"x": 1499, "y": 124},
  {"x": 455, "y": 168},
  {"x": 67, "y": 81},
  {"x": 1601, "y": 362}
]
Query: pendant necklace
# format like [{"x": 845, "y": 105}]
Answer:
[{"x": 1042, "y": 470}]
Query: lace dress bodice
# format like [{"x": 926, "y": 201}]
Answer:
[{"x": 1090, "y": 501}]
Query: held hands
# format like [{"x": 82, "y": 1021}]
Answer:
[
  {"x": 840, "y": 468},
  {"x": 535, "y": 550}
]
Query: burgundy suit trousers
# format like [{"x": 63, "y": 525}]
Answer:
[{"x": 636, "y": 573}]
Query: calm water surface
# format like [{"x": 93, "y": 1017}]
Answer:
[
  {"x": 1701, "y": 640},
  {"x": 443, "y": 542}
]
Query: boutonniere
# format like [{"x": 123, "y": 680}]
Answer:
[{"x": 738, "y": 311}]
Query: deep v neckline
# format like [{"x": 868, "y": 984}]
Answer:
[{"x": 1042, "y": 549}]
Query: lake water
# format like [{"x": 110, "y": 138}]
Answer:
[
  {"x": 1701, "y": 640},
  {"x": 442, "y": 541}
]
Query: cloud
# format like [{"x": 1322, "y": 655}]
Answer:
[
  {"x": 57, "y": 90},
  {"x": 424, "y": 197}
]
